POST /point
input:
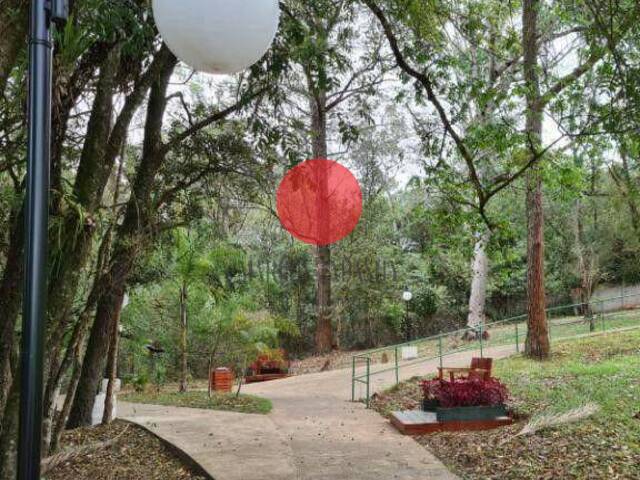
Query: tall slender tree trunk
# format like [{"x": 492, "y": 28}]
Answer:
[
  {"x": 9, "y": 435},
  {"x": 95, "y": 356},
  {"x": 537, "y": 343},
  {"x": 76, "y": 357},
  {"x": 112, "y": 362},
  {"x": 103, "y": 145},
  {"x": 130, "y": 236},
  {"x": 324, "y": 325},
  {"x": 112, "y": 369},
  {"x": 627, "y": 187},
  {"x": 184, "y": 346},
  {"x": 74, "y": 248},
  {"x": 480, "y": 272},
  {"x": 10, "y": 303}
]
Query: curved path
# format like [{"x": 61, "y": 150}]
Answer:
[{"x": 313, "y": 432}]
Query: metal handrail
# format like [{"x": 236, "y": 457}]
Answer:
[{"x": 366, "y": 357}]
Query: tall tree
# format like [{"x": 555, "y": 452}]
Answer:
[
  {"x": 154, "y": 190},
  {"x": 334, "y": 69},
  {"x": 537, "y": 343}
]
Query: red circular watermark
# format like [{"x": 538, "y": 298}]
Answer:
[{"x": 319, "y": 202}]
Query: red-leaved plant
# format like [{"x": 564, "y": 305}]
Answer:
[{"x": 467, "y": 392}]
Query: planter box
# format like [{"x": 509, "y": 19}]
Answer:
[
  {"x": 469, "y": 414},
  {"x": 430, "y": 405},
  {"x": 416, "y": 422}
]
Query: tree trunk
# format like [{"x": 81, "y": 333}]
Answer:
[
  {"x": 112, "y": 370},
  {"x": 184, "y": 364},
  {"x": 10, "y": 293},
  {"x": 9, "y": 435},
  {"x": 537, "y": 343},
  {"x": 627, "y": 187},
  {"x": 130, "y": 236},
  {"x": 9, "y": 425},
  {"x": 76, "y": 357},
  {"x": 14, "y": 23},
  {"x": 480, "y": 276},
  {"x": 10, "y": 303},
  {"x": 587, "y": 267},
  {"x": 101, "y": 149},
  {"x": 71, "y": 253},
  {"x": 95, "y": 357},
  {"x": 324, "y": 327},
  {"x": 112, "y": 363}
]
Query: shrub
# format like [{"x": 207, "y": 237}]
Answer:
[
  {"x": 468, "y": 392},
  {"x": 140, "y": 382}
]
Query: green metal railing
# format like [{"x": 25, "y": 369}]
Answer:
[{"x": 565, "y": 322}]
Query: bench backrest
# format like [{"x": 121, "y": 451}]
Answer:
[{"x": 483, "y": 364}]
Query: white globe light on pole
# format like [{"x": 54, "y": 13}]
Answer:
[
  {"x": 217, "y": 36},
  {"x": 407, "y": 296}
]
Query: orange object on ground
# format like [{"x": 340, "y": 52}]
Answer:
[{"x": 221, "y": 380}]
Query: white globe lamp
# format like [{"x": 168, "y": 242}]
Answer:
[
  {"x": 217, "y": 36},
  {"x": 407, "y": 296}
]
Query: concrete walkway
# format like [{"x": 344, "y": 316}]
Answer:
[{"x": 313, "y": 432}]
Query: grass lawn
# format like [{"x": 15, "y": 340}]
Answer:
[
  {"x": 603, "y": 369},
  {"x": 199, "y": 399}
]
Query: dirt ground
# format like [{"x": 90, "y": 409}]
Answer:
[{"x": 136, "y": 455}]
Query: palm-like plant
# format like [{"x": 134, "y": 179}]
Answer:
[{"x": 213, "y": 271}]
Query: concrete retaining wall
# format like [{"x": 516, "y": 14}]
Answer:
[{"x": 615, "y": 297}]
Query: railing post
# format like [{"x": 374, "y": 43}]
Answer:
[
  {"x": 440, "y": 350},
  {"x": 397, "y": 367},
  {"x": 517, "y": 339},
  {"x": 368, "y": 379},
  {"x": 353, "y": 379},
  {"x": 481, "y": 342}
]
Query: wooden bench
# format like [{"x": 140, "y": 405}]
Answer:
[{"x": 480, "y": 368}]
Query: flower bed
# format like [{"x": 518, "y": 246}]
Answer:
[{"x": 465, "y": 399}]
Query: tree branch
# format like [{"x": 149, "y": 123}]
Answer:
[
  {"x": 221, "y": 115},
  {"x": 425, "y": 81}
]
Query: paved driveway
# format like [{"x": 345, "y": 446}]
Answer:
[{"x": 313, "y": 432}]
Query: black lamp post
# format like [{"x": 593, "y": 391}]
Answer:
[{"x": 43, "y": 14}]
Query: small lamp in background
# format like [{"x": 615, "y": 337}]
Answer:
[{"x": 407, "y": 296}]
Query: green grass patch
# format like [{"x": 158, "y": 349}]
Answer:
[
  {"x": 603, "y": 369},
  {"x": 198, "y": 399}
]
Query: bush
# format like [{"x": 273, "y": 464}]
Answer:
[
  {"x": 140, "y": 382},
  {"x": 468, "y": 392}
]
